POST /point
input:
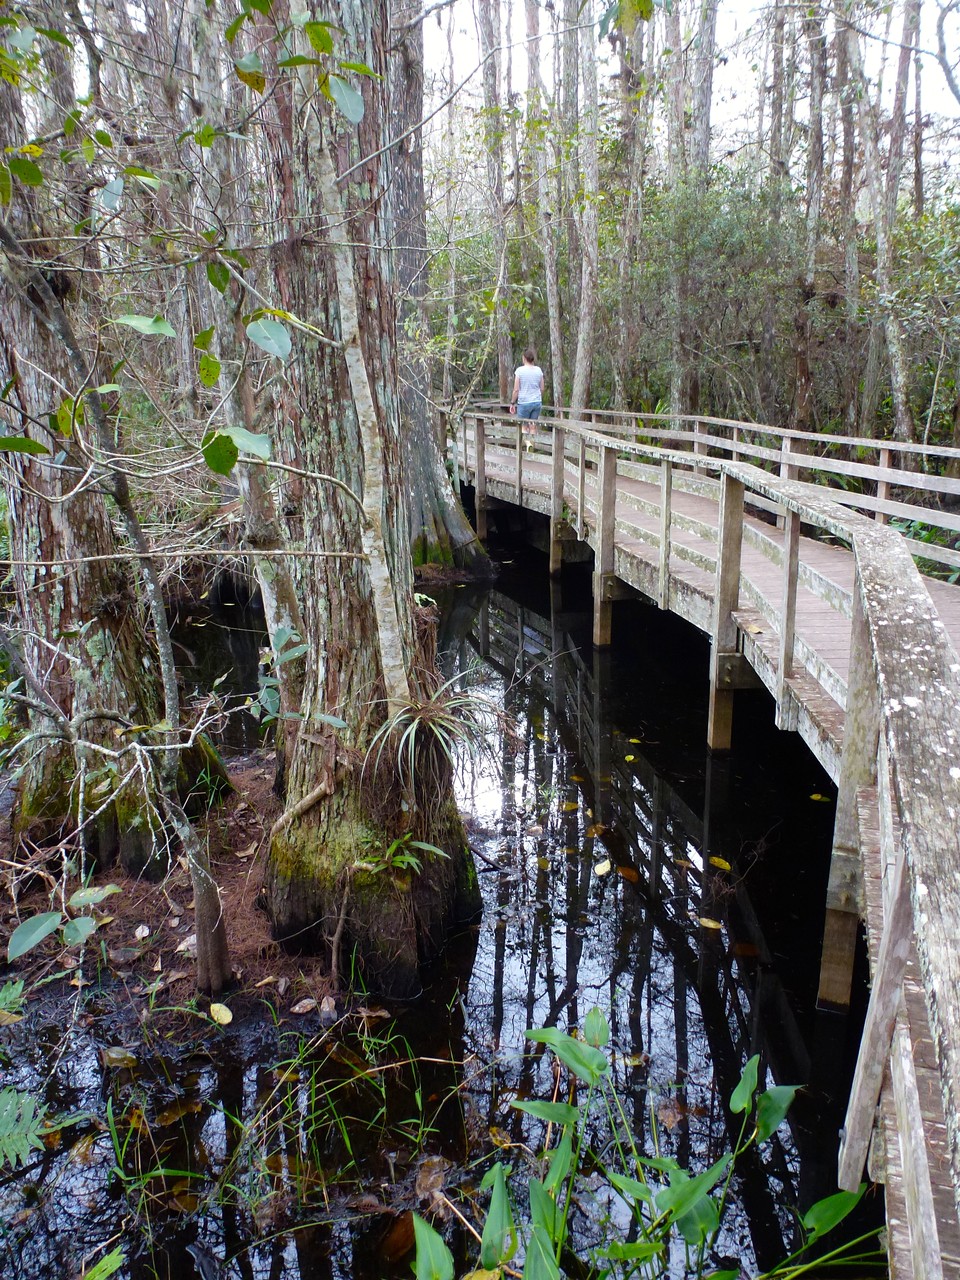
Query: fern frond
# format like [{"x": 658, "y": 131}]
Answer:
[{"x": 21, "y": 1123}]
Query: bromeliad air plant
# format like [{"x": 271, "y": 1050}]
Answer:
[{"x": 669, "y": 1210}]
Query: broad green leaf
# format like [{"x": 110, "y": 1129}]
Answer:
[
  {"x": 318, "y": 33},
  {"x": 261, "y": 6},
  {"x": 79, "y": 930},
  {"x": 31, "y": 932},
  {"x": 250, "y": 70},
  {"x": 57, "y": 36},
  {"x": 67, "y": 414},
  {"x": 202, "y": 340},
  {"x": 540, "y": 1264},
  {"x": 499, "y": 1242},
  {"x": 582, "y": 1059},
  {"x": 299, "y": 60},
  {"x": 561, "y": 1159},
  {"x": 6, "y": 185},
  {"x": 219, "y": 275},
  {"x": 596, "y": 1029},
  {"x": 347, "y": 99},
  {"x": 543, "y": 1212},
  {"x": 103, "y": 138},
  {"x": 71, "y": 121},
  {"x": 91, "y": 896},
  {"x": 552, "y": 1112},
  {"x": 631, "y": 1187},
  {"x": 21, "y": 444},
  {"x": 145, "y": 176},
  {"x": 772, "y": 1106},
  {"x": 205, "y": 136},
  {"x": 334, "y": 721},
  {"x": 25, "y": 171},
  {"x": 742, "y": 1097},
  {"x": 686, "y": 1199},
  {"x": 234, "y": 27},
  {"x": 270, "y": 336},
  {"x": 89, "y": 150},
  {"x": 433, "y": 1261},
  {"x": 209, "y": 369},
  {"x": 829, "y": 1212},
  {"x": 247, "y": 442},
  {"x": 220, "y": 453},
  {"x": 144, "y": 324},
  {"x": 22, "y": 39},
  {"x": 290, "y": 655}
]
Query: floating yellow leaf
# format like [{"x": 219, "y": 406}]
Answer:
[
  {"x": 543, "y": 737},
  {"x": 708, "y": 923},
  {"x": 570, "y": 849},
  {"x": 7, "y": 1019},
  {"x": 817, "y": 796},
  {"x": 575, "y": 777},
  {"x": 221, "y": 1014},
  {"x": 629, "y": 873},
  {"x": 722, "y": 863},
  {"x": 682, "y": 862},
  {"x": 596, "y": 829},
  {"x": 629, "y": 759},
  {"x": 570, "y": 806},
  {"x": 602, "y": 868},
  {"x": 177, "y": 1110},
  {"x": 543, "y": 864},
  {"x": 499, "y": 1137},
  {"x": 636, "y": 741}
]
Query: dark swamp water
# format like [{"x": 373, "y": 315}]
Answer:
[{"x": 290, "y": 1152}]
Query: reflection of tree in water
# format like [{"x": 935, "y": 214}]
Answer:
[{"x": 685, "y": 1011}]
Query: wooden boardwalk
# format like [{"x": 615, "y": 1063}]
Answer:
[{"x": 806, "y": 590}]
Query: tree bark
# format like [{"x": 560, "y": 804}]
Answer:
[
  {"x": 488, "y": 21},
  {"x": 589, "y": 221}
]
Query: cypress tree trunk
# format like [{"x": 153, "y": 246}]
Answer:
[{"x": 331, "y": 877}]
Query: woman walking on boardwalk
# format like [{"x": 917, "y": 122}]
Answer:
[{"x": 528, "y": 389}]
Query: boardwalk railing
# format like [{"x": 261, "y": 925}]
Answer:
[{"x": 896, "y": 751}]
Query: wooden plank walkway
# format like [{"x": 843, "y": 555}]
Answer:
[{"x": 860, "y": 656}]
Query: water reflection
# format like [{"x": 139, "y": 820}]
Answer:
[{"x": 622, "y": 867}]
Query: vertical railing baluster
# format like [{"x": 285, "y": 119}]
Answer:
[
  {"x": 557, "y": 516},
  {"x": 480, "y": 483},
  {"x": 666, "y": 500},
  {"x": 726, "y": 603},
  {"x": 604, "y": 549},
  {"x": 581, "y": 488},
  {"x": 786, "y": 703},
  {"x": 883, "y": 486}
]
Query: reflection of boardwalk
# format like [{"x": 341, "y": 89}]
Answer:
[
  {"x": 631, "y": 935},
  {"x": 858, "y": 654}
]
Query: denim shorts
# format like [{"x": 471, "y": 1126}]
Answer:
[{"x": 530, "y": 410}]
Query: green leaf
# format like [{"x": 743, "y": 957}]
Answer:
[
  {"x": 234, "y": 27},
  {"x": 742, "y": 1097},
  {"x": 56, "y": 36},
  {"x": 829, "y": 1212},
  {"x": 334, "y": 721},
  {"x": 561, "y": 1159},
  {"x": 218, "y": 273},
  {"x": 299, "y": 60},
  {"x": 318, "y": 33},
  {"x": 631, "y": 1187},
  {"x": 205, "y": 136},
  {"x": 108, "y": 1266},
  {"x": 89, "y": 150},
  {"x": 79, "y": 930},
  {"x": 270, "y": 336},
  {"x": 21, "y": 444},
  {"x": 103, "y": 138},
  {"x": 684, "y": 1194},
  {"x": 772, "y": 1106},
  {"x": 639, "y": 1252},
  {"x": 71, "y": 121},
  {"x": 499, "y": 1242},
  {"x": 6, "y": 185},
  {"x": 91, "y": 896},
  {"x": 143, "y": 176},
  {"x": 261, "y": 6},
  {"x": 540, "y": 1264},
  {"x": 433, "y": 1261},
  {"x": 360, "y": 68},
  {"x": 247, "y": 442},
  {"x": 21, "y": 1124},
  {"x": 209, "y": 369},
  {"x": 25, "y": 171},
  {"x": 582, "y": 1059},
  {"x": 220, "y": 453},
  {"x": 552, "y": 1112},
  {"x": 250, "y": 70},
  {"x": 290, "y": 655},
  {"x": 202, "y": 340},
  {"x": 596, "y": 1029},
  {"x": 543, "y": 1212},
  {"x": 144, "y": 324},
  {"x": 347, "y": 99},
  {"x": 33, "y": 931}
]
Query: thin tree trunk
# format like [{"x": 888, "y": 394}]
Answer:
[
  {"x": 589, "y": 224},
  {"x": 488, "y": 18},
  {"x": 802, "y": 416}
]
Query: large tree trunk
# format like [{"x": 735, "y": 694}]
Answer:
[
  {"x": 440, "y": 534},
  {"x": 589, "y": 223},
  {"x": 802, "y": 416},
  {"x": 488, "y": 21},
  {"x": 331, "y": 876}
]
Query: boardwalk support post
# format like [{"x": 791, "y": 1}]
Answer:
[
  {"x": 606, "y": 525},
  {"x": 786, "y": 703},
  {"x": 480, "y": 476},
  {"x": 726, "y": 602},
  {"x": 557, "y": 514},
  {"x": 666, "y": 496},
  {"x": 858, "y": 770}
]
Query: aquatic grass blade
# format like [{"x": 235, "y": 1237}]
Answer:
[{"x": 552, "y": 1112}]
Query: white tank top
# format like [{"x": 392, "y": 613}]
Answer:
[{"x": 530, "y": 375}]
